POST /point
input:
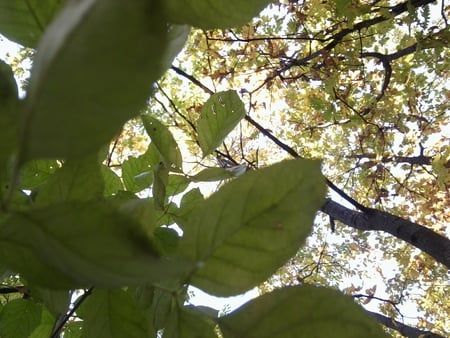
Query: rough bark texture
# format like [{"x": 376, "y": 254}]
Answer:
[
  {"x": 407, "y": 331},
  {"x": 417, "y": 235}
]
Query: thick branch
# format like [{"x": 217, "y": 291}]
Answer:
[
  {"x": 413, "y": 160},
  {"x": 417, "y": 235},
  {"x": 407, "y": 331}
]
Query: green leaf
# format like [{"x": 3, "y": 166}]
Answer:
[
  {"x": 78, "y": 99},
  {"x": 76, "y": 180},
  {"x": 112, "y": 314},
  {"x": 164, "y": 142},
  {"x": 214, "y": 14},
  {"x": 8, "y": 85},
  {"x": 56, "y": 301},
  {"x": 25, "y": 21},
  {"x": 166, "y": 240},
  {"x": 212, "y": 174},
  {"x": 8, "y": 115},
  {"x": 176, "y": 184},
  {"x": 218, "y": 117},
  {"x": 190, "y": 322},
  {"x": 188, "y": 204},
  {"x": 248, "y": 229},
  {"x": 45, "y": 328},
  {"x": 19, "y": 318},
  {"x": 142, "y": 211},
  {"x": 112, "y": 182},
  {"x": 137, "y": 173},
  {"x": 160, "y": 180},
  {"x": 76, "y": 245},
  {"x": 36, "y": 173},
  {"x": 73, "y": 330},
  {"x": 300, "y": 311},
  {"x": 177, "y": 37},
  {"x": 163, "y": 307}
]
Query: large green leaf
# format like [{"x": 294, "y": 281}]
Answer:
[
  {"x": 94, "y": 70},
  {"x": 220, "y": 114},
  {"x": 300, "y": 311},
  {"x": 214, "y": 14},
  {"x": 251, "y": 226},
  {"x": 19, "y": 318},
  {"x": 76, "y": 180},
  {"x": 25, "y": 21},
  {"x": 163, "y": 140},
  {"x": 112, "y": 314},
  {"x": 74, "y": 245}
]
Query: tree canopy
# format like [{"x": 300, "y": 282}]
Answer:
[{"x": 301, "y": 147}]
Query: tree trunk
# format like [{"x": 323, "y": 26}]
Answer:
[{"x": 417, "y": 235}]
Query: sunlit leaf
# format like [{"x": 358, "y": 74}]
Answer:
[
  {"x": 177, "y": 38},
  {"x": 137, "y": 173},
  {"x": 220, "y": 114},
  {"x": 164, "y": 142},
  {"x": 25, "y": 21},
  {"x": 300, "y": 311},
  {"x": 113, "y": 314},
  {"x": 214, "y": 14},
  {"x": 81, "y": 244},
  {"x": 240, "y": 235},
  {"x": 93, "y": 91}
]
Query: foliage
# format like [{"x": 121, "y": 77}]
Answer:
[{"x": 102, "y": 228}]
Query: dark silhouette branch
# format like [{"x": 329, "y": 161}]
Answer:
[
  {"x": 386, "y": 60},
  {"x": 63, "y": 319},
  {"x": 405, "y": 330},
  {"x": 15, "y": 289},
  {"x": 415, "y": 234}
]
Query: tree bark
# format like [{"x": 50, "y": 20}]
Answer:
[
  {"x": 415, "y": 234},
  {"x": 407, "y": 331}
]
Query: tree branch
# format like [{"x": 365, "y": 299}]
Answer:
[
  {"x": 413, "y": 160},
  {"x": 415, "y": 234},
  {"x": 405, "y": 330},
  {"x": 62, "y": 320}
]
